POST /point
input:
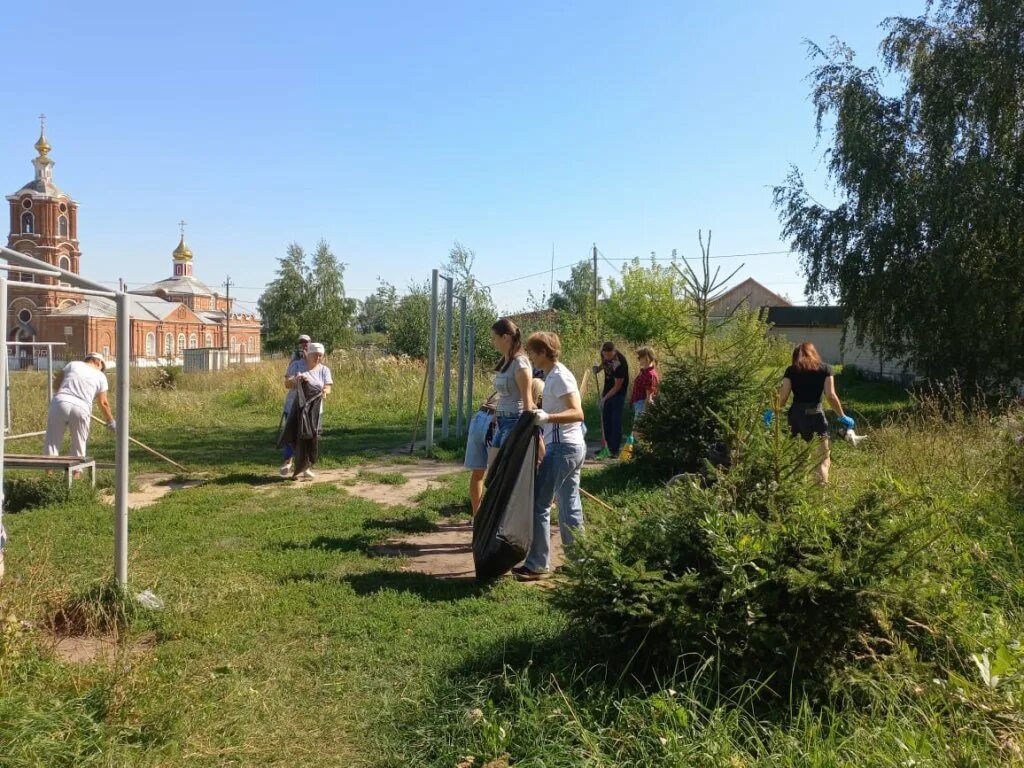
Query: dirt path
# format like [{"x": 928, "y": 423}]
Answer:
[
  {"x": 447, "y": 553},
  {"x": 365, "y": 480},
  {"x": 152, "y": 486}
]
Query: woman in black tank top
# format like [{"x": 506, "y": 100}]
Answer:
[{"x": 808, "y": 379}]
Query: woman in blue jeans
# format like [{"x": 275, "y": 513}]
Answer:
[
  {"x": 559, "y": 474},
  {"x": 512, "y": 379}
]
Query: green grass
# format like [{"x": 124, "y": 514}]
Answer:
[
  {"x": 383, "y": 478},
  {"x": 287, "y": 640}
]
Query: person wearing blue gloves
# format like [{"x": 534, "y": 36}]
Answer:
[{"x": 807, "y": 380}]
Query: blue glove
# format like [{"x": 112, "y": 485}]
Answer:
[
  {"x": 847, "y": 422},
  {"x": 768, "y": 417}
]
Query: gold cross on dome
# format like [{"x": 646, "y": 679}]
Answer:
[
  {"x": 181, "y": 226},
  {"x": 42, "y": 122}
]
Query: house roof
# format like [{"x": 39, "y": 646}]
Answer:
[
  {"x": 745, "y": 289},
  {"x": 806, "y": 317}
]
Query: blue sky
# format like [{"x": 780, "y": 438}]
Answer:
[{"x": 392, "y": 129}]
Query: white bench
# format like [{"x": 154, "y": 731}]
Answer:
[{"x": 68, "y": 464}]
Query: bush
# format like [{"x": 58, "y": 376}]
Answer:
[
  {"x": 167, "y": 377},
  {"x": 735, "y": 374},
  {"x": 21, "y": 493},
  {"x": 748, "y": 571}
]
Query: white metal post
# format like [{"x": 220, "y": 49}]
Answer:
[
  {"x": 446, "y": 403},
  {"x": 121, "y": 437},
  {"x": 462, "y": 367},
  {"x": 431, "y": 362},
  {"x": 3, "y": 387},
  {"x": 471, "y": 365}
]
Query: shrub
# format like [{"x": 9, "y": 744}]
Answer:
[
  {"x": 167, "y": 377},
  {"x": 748, "y": 570},
  {"x": 21, "y": 493}
]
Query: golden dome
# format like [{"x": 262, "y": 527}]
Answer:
[
  {"x": 182, "y": 252},
  {"x": 42, "y": 146}
]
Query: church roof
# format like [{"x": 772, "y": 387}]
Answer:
[
  {"x": 182, "y": 285},
  {"x": 40, "y": 187},
  {"x": 140, "y": 308}
]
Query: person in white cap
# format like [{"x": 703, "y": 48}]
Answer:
[
  {"x": 71, "y": 408},
  {"x": 300, "y": 351},
  {"x": 312, "y": 370}
]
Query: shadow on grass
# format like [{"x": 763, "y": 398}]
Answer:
[
  {"x": 360, "y": 542},
  {"x": 420, "y": 523},
  {"x": 429, "y": 588},
  {"x": 249, "y": 478},
  {"x": 231, "y": 446}
]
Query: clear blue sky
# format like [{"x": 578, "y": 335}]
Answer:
[{"x": 392, "y": 129}]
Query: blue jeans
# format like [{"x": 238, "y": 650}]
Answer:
[
  {"x": 557, "y": 478},
  {"x": 505, "y": 425},
  {"x": 612, "y": 416}
]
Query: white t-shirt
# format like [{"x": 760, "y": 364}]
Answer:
[
  {"x": 558, "y": 383},
  {"x": 81, "y": 383},
  {"x": 319, "y": 377}
]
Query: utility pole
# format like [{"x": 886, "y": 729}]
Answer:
[
  {"x": 227, "y": 316},
  {"x": 597, "y": 327}
]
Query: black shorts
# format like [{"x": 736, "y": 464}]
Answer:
[{"x": 807, "y": 421}]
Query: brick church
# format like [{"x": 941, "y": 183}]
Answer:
[{"x": 167, "y": 317}]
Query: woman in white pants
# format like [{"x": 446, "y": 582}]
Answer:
[{"x": 71, "y": 408}]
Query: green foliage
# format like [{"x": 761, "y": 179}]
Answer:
[
  {"x": 167, "y": 377},
  {"x": 410, "y": 332},
  {"x": 575, "y": 296},
  {"x": 480, "y": 310},
  {"x": 23, "y": 492},
  {"x": 750, "y": 571},
  {"x": 925, "y": 249},
  {"x": 377, "y": 311},
  {"x": 648, "y": 306},
  {"x": 307, "y": 298},
  {"x": 103, "y": 607},
  {"x": 726, "y": 368}
]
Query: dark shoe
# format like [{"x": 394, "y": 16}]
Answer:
[{"x": 528, "y": 575}]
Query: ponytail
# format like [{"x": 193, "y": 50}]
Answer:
[{"x": 505, "y": 327}]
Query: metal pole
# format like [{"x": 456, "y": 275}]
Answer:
[
  {"x": 446, "y": 403},
  {"x": 462, "y": 367},
  {"x": 49, "y": 373},
  {"x": 431, "y": 362},
  {"x": 122, "y": 446},
  {"x": 3, "y": 387},
  {"x": 472, "y": 369}
]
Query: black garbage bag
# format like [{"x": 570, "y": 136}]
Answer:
[{"x": 503, "y": 528}]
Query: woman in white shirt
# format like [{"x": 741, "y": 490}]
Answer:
[
  {"x": 82, "y": 382},
  {"x": 565, "y": 450}
]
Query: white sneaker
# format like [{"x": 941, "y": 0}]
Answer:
[
  {"x": 286, "y": 469},
  {"x": 308, "y": 474}
]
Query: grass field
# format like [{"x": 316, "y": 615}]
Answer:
[{"x": 286, "y": 640}]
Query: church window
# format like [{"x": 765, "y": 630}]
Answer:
[
  {"x": 168, "y": 345},
  {"x": 150, "y": 345},
  {"x": 181, "y": 341},
  {"x": 234, "y": 344},
  {"x": 193, "y": 341},
  {"x": 63, "y": 207},
  {"x": 26, "y": 203},
  {"x": 65, "y": 263},
  {"x": 25, "y": 315},
  {"x": 27, "y": 224},
  {"x": 62, "y": 226},
  {"x": 209, "y": 340},
  {"x": 249, "y": 345}
]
